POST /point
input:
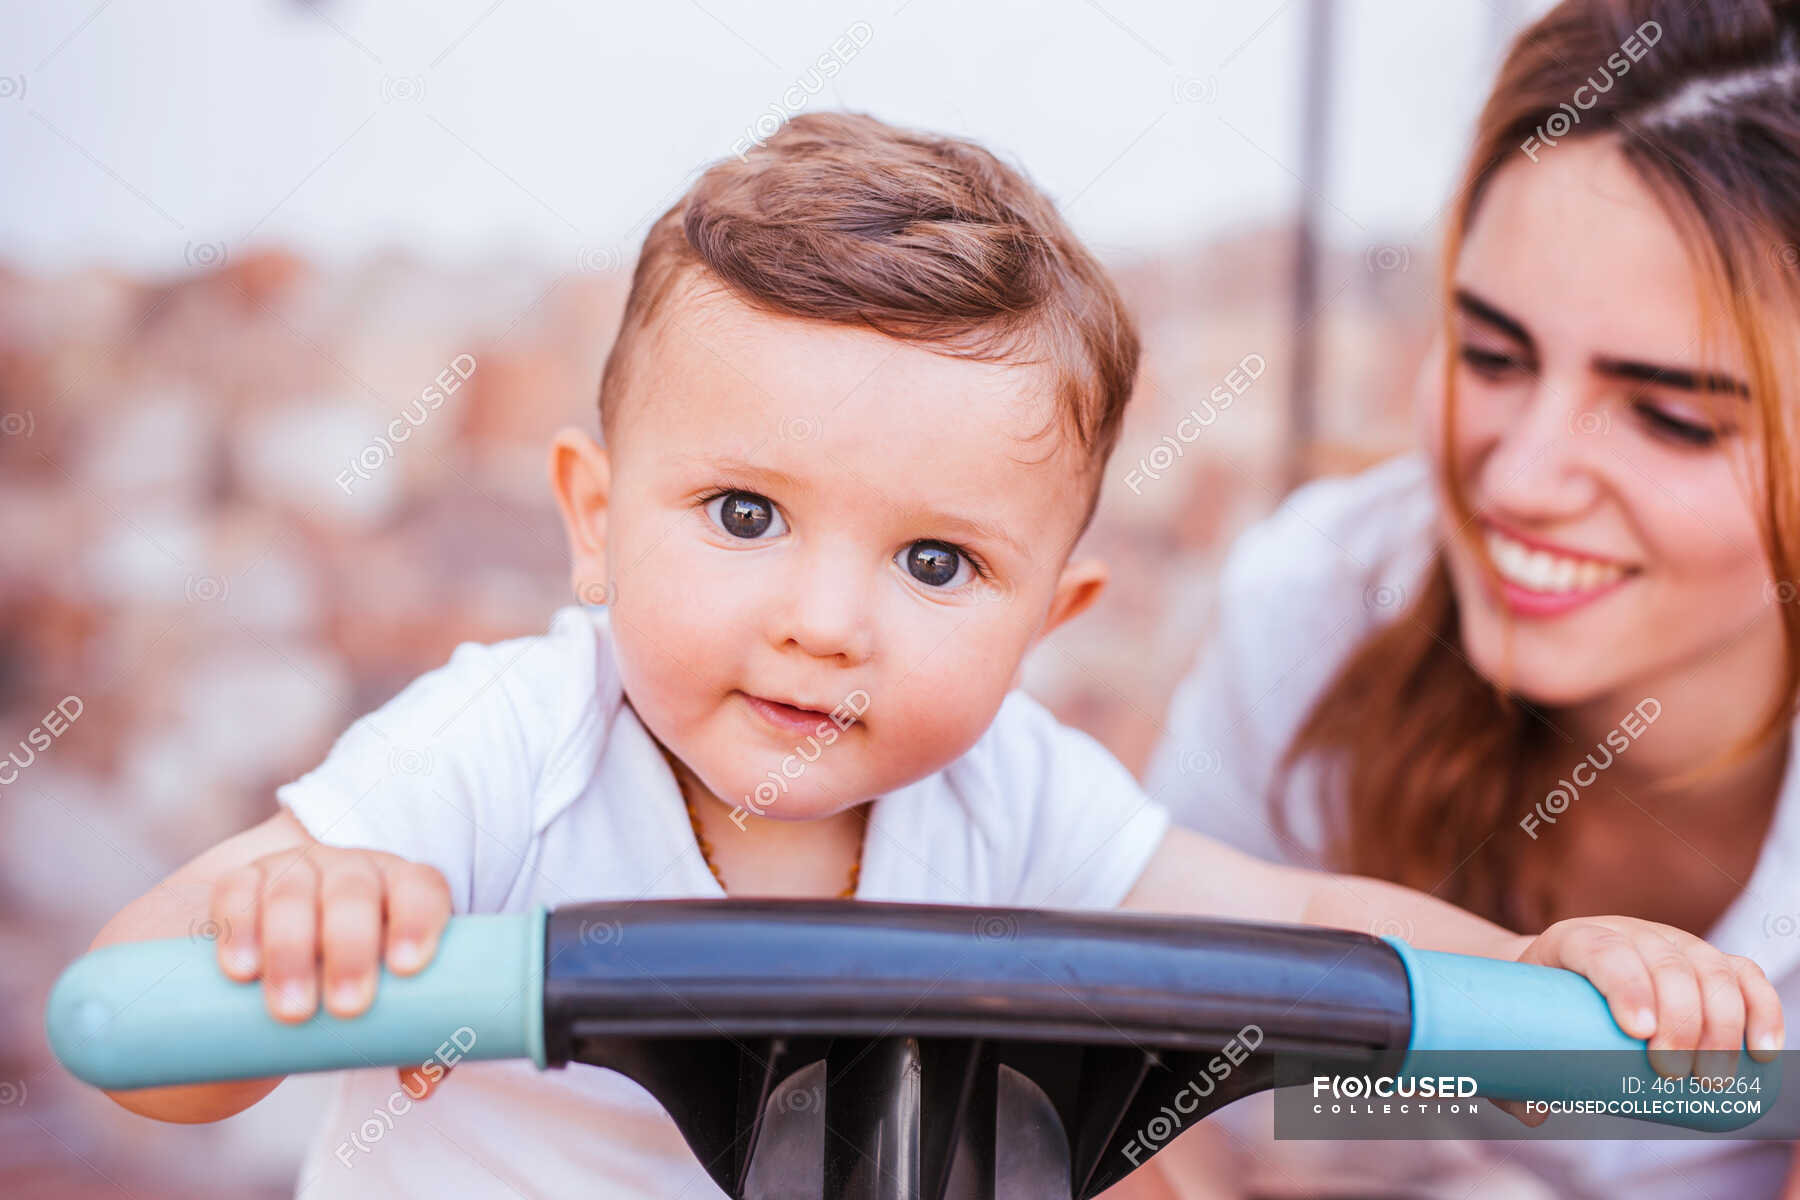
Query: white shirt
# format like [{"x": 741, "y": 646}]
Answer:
[
  {"x": 520, "y": 771},
  {"x": 1298, "y": 592}
]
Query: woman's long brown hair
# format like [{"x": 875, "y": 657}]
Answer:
[{"x": 1429, "y": 766}]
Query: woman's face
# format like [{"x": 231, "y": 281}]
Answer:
[{"x": 1603, "y": 452}]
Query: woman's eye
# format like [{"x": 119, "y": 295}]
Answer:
[
  {"x": 746, "y": 515},
  {"x": 935, "y": 564},
  {"x": 1490, "y": 363},
  {"x": 1667, "y": 425}
]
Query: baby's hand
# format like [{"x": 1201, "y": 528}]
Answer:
[
  {"x": 1667, "y": 985},
  {"x": 285, "y": 915}
]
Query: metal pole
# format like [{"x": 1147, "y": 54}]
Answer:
[
  {"x": 872, "y": 1117},
  {"x": 1315, "y": 83}
]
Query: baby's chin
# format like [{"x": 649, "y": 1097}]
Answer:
[{"x": 813, "y": 796}]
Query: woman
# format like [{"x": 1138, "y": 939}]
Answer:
[{"x": 1549, "y": 667}]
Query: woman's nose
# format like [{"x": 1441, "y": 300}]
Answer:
[{"x": 1548, "y": 458}]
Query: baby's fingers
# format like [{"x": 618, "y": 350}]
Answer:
[
  {"x": 349, "y": 931},
  {"x": 289, "y": 933},
  {"x": 421, "y": 1081},
  {"x": 233, "y": 911},
  {"x": 418, "y": 904}
]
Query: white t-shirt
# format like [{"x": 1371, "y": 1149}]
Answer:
[
  {"x": 1298, "y": 592},
  {"x": 520, "y": 771}
]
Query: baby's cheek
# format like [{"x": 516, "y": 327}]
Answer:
[
  {"x": 668, "y": 662},
  {"x": 673, "y": 603},
  {"x": 935, "y": 716}
]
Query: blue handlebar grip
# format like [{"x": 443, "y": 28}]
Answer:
[
  {"x": 151, "y": 1014},
  {"x": 1463, "y": 1003}
]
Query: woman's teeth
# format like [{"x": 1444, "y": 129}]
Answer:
[{"x": 1541, "y": 571}]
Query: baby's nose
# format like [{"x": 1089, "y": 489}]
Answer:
[{"x": 827, "y": 616}]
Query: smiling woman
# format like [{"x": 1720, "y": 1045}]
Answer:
[
  {"x": 1610, "y": 417},
  {"x": 1595, "y": 445},
  {"x": 1427, "y": 671}
]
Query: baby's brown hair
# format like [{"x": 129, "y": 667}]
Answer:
[{"x": 933, "y": 240}]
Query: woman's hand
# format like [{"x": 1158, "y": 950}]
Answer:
[{"x": 1696, "y": 1005}]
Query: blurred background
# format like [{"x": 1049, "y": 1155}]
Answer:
[{"x": 241, "y": 238}]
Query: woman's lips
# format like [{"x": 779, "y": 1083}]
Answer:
[
  {"x": 1527, "y": 603},
  {"x": 786, "y": 717},
  {"x": 1539, "y": 580}
]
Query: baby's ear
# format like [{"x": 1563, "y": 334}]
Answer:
[
  {"x": 1078, "y": 587},
  {"x": 581, "y": 480}
]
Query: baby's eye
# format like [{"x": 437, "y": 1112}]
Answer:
[
  {"x": 745, "y": 515},
  {"x": 935, "y": 564}
]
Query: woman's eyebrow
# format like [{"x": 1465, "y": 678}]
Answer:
[
  {"x": 1479, "y": 309},
  {"x": 1682, "y": 378}
]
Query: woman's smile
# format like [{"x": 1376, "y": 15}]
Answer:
[{"x": 1537, "y": 578}]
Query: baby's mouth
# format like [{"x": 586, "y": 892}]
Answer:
[{"x": 789, "y": 718}]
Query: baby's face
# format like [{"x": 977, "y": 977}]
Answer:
[{"x": 807, "y": 517}]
